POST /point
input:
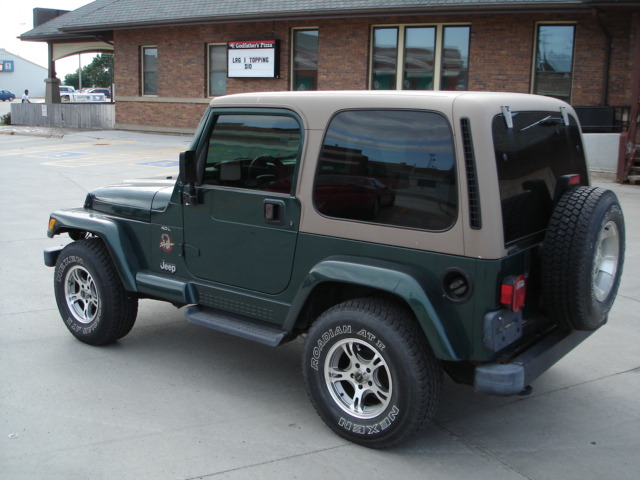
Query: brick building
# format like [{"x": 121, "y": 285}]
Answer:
[{"x": 172, "y": 57}]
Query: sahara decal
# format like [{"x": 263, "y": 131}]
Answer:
[{"x": 166, "y": 243}]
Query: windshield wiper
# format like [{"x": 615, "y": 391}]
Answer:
[{"x": 546, "y": 121}]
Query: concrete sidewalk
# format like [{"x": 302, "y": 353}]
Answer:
[
  {"x": 59, "y": 132},
  {"x": 176, "y": 401}
]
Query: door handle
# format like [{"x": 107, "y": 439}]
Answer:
[{"x": 273, "y": 211}]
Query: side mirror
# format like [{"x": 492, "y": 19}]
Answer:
[
  {"x": 188, "y": 176},
  {"x": 188, "y": 170}
]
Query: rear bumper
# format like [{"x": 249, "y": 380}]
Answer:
[{"x": 514, "y": 376}]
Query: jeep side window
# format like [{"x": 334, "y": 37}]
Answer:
[
  {"x": 257, "y": 152},
  {"x": 530, "y": 157},
  {"x": 393, "y": 167}
]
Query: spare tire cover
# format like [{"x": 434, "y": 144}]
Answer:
[{"x": 582, "y": 257}]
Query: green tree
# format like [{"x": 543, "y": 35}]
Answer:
[
  {"x": 97, "y": 74},
  {"x": 72, "y": 79}
]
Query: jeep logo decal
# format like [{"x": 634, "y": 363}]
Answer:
[{"x": 169, "y": 267}]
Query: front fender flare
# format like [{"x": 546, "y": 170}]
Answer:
[
  {"x": 400, "y": 280},
  {"x": 111, "y": 232}
]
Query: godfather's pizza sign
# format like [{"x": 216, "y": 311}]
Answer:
[{"x": 253, "y": 59}]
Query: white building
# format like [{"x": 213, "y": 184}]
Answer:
[{"x": 18, "y": 74}]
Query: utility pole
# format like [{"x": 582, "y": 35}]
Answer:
[{"x": 79, "y": 72}]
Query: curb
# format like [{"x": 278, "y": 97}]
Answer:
[{"x": 48, "y": 132}]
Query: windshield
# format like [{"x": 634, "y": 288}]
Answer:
[{"x": 530, "y": 157}]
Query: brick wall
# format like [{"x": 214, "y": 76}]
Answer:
[
  {"x": 501, "y": 53},
  {"x": 501, "y": 56}
]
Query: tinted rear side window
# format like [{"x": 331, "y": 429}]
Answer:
[
  {"x": 530, "y": 157},
  {"x": 390, "y": 167}
]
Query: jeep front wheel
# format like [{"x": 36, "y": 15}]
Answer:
[
  {"x": 91, "y": 299},
  {"x": 370, "y": 372}
]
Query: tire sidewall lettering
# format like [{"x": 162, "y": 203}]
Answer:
[
  {"x": 341, "y": 330},
  {"x": 368, "y": 428},
  {"x": 60, "y": 276},
  {"x": 115, "y": 308},
  {"x": 323, "y": 340},
  {"x": 356, "y": 330},
  {"x": 379, "y": 340},
  {"x": 72, "y": 324},
  {"x": 372, "y": 339},
  {"x": 67, "y": 261}
]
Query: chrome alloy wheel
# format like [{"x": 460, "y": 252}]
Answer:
[
  {"x": 81, "y": 294},
  {"x": 606, "y": 261},
  {"x": 358, "y": 378}
]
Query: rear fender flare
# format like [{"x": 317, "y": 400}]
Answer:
[{"x": 399, "y": 280}]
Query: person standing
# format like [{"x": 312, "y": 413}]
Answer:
[{"x": 25, "y": 97}]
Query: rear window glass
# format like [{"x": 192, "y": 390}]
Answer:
[
  {"x": 530, "y": 157},
  {"x": 390, "y": 167}
]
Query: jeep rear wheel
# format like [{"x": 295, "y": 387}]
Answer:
[
  {"x": 370, "y": 372},
  {"x": 582, "y": 257},
  {"x": 91, "y": 299}
]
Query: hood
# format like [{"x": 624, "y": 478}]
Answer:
[{"x": 132, "y": 199}]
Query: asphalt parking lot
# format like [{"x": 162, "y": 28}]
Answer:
[{"x": 174, "y": 400}]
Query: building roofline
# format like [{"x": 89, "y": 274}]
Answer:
[{"x": 96, "y": 18}]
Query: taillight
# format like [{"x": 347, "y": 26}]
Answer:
[
  {"x": 513, "y": 292},
  {"x": 564, "y": 183},
  {"x": 573, "y": 179}
]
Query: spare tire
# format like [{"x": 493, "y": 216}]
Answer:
[{"x": 582, "y": 257}]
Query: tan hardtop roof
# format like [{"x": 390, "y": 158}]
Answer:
[{"x": 317, "y": 106}]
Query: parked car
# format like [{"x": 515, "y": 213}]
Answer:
[
  {"x": 106, "y": 91},
  {"x": 492, "y": 258},
  {"x": 348, "y": 196},
  {"x": 66, "y": 89},
  {"x": 7, "y": 95},
  {"x": 82, "y": 97}
]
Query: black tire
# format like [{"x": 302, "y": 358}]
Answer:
[
  {"x": 582, "y": 257},
  {"x": 370, "y": 372},
  {"x": 93, "y": 303}
]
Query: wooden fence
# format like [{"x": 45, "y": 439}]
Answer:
[{"x": 100, "y": 116}]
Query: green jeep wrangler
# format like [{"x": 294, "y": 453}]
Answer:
[{"x": 404, "y": 234}]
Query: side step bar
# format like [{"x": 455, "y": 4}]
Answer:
[{"x": 237, "y": 325}]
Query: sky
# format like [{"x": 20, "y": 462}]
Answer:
[{"x": 17, "y": 18}]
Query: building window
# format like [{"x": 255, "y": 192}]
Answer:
[
  {"x": 149, "y": 70},
  {"x": 420, "y": 57},
  {"x": 384, "y": 58},
  {"x": 305, "y": 60},
  {"x": 454, "y": 64},
  {"x": 217, "y": 70},
  {"x": 554, "y": 61}
]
